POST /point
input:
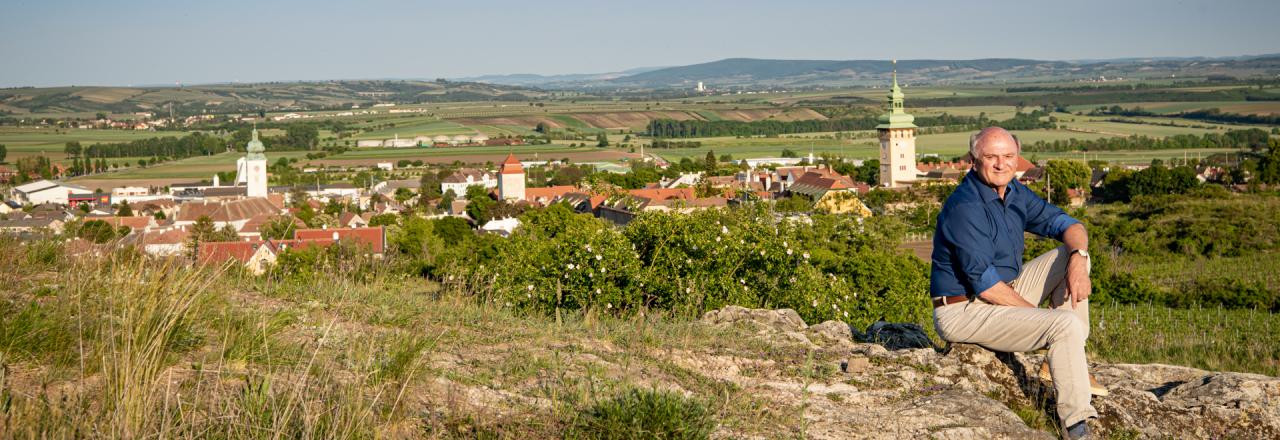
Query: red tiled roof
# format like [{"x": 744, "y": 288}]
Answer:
[
  {"x": 131, "y": 222},
  {"x": 546, "y": 195},
  {"x": 512, "y": 165},
  {"x": 220, "y": 251},
  {"x": 375, "y": 238},
  {"x": 663, "y": 193},
  {"x": 226, "y": 211}
]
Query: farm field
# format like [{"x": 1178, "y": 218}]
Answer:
[
  {"x": 30, "y": 141},
  {"x": 1242, "y": 107}
]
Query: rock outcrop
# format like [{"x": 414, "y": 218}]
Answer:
[{"x": 969, "y": 392}]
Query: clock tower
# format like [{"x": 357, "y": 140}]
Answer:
[{"x": 897, "y": 141}]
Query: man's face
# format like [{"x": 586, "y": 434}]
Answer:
[{"x": 997, "y": 159}]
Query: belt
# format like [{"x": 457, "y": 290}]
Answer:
[{"x": 948, "y": 300}]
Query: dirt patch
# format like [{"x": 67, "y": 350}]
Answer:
[
  {"x": 922, "y": 249},
  {"x": 520, "y": 121}
]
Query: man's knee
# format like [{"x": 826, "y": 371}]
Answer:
[{"x": 1066, "y": 326}]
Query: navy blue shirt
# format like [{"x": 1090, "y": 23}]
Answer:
[{"x": 979, "y": 240}]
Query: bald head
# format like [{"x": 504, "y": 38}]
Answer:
[
  {"x": 995, "y": 156},
  {"x": 990, "y": 135}
]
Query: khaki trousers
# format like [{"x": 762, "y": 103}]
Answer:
[{"x": 1020, "y": 329}]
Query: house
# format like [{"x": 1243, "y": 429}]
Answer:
[
  {"x": 546, "y": 195},
  {"x": 134, "y": 223},
  {"x": 7, "y": 174},
  {"x": 235, "y": 213},
  {"x": 252, "y": 229},
  {"x": 819, "y": 181},
  {"x": 466, "y": 177},
  {"x": 170, "y": 242},
  {"x": 374, "y": 238},
  {"x": 352, "y": 220},
  {"x": 256, "y": 256},
  {"x": 32, "y": 225},
  {"x": 841, "y": 202}
]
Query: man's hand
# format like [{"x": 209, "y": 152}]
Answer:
[{"x": 1078, "y": 285}]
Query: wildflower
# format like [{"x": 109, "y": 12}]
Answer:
[
  {"x": 603, "y": 270},
  {"x": 508, "y": 304},
  {"x": 717, "y": 239},
  {"x": 835, "y": 307},
  {"x": 815, "y": 303},
  {"x": 788, "y": 252},
  {"x": 846, "y": 314},
  {"x": 806, "y": 255},
  {"x": 724, "y": 229},
  {"x": 528, "y": 295},
  {"x": 530, "y": 287},
  {"x": 762, "y": 253},
  {"x": 598, "y": 257},
  {"x": 608, "y": 305},
  {"x": 688, "y": 261},
  {"x": 784, "y": 244},
  {"x": 688, "y": 290},
  {"x": 587, "y": 247},
  {"x": 570, "y": 266},
  {"x": 597, "y": 291}
]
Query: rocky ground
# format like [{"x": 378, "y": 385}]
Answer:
[{"x": 971, "y": 392}]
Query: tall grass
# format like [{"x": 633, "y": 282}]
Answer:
[{"x": 1208, "y": 338}]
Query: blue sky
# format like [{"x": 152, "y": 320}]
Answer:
[{"x": 56, "y": 42}]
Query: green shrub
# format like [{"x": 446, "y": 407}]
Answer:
[{"x": 644, "y": 414}]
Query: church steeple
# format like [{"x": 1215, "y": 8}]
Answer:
[
  {"x": 255, "y": 148},
  {"x": 897, "y": 116}
]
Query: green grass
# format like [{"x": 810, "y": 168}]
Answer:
[
  {"x": 1212, "y": 339},
  {"x": 1173, "y": 273}
]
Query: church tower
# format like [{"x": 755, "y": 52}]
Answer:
[
  {"x": 897, "y": 141},
  {"x": 511, "y": 179},
  {"x": 252, "y": 168}
]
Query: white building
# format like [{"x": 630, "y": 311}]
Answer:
[
  {"x": 45, "y": 191},
  {"x": 466, "y": 177}
]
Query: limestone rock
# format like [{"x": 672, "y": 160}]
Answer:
[
  {"x": 831, "y": 331},
  {"x": 781, "y": 320}
]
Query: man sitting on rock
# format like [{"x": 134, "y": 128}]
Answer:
[{"x": 983, "y": 293}]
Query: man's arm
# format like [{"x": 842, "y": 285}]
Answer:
[
  {"x": 1002, "y": 294},
  {"x": 1078, "y": 285}
]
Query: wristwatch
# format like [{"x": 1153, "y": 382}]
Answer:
[{"x": 1083, "y": 253}]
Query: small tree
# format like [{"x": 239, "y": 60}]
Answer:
[
  {"x": 124, "y": 210},
  {"x": 602, "y": 140}
]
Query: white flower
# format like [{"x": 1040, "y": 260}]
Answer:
[
  {"x": 846, "y": 297},
  {"x": 450, "y": 277},
  {"x": 762, "y": 253},
  {"x": 604, "y": 269},
  {"x": 508, "y": 304},
  {"x": 717, "y": 239},
  {"x": 570, "y": 265},
  {"x": 784, "y": 244},
  {"x": 815, "y": 303},
  {"x": 530, "y": 287},
  {"x": 835, "y": 307},
  {"x": 806, "y": 255},
  {"x": 528, "y": 295},
  {"x": 788, "y": 252},
  {"x": 688, "y": 261},
  {"x": 587, "y": 247},
  {"x": 597, "y": 291},
  {"x": 846, "y": 314},
  {"x": 598, "y": 257},
  {"x": 724, "y": 229},
  {"x": 608, "y": 305},
  {"x": 742, "y": 281},
  {"x": 688, "y": 290}
]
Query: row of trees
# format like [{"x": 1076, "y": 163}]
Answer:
[
  {"x": 1252, "y": 138},
  {"x": 670, "y": 128}
]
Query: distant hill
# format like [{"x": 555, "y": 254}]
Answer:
[
  {"x": 761, "y": 73},
  {"x": 227, "y": 98},
  {"x": 557, "y": 81}
]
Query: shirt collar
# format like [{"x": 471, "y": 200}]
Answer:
[{"x": 988, "y": 194}]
